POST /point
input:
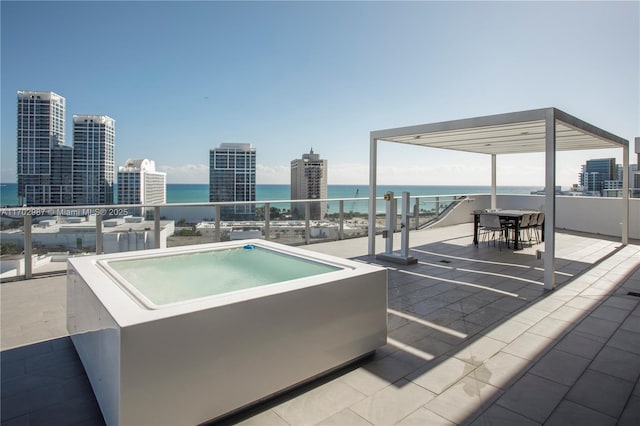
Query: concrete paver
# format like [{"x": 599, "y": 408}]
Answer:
[{"x": 474, "y": 339}]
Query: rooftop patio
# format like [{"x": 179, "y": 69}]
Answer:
[{"x": 472, "y": 338}]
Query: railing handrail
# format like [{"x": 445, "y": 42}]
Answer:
[{"x": 99, "y": 207}]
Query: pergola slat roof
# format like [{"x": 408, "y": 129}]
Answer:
[{"x": 518, "y": 132}]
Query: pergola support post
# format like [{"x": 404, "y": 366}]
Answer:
[
  {"x": 550, "y": 200},
  {"x": 625, "y": 195},
  {"x": 373, "y": 165},
  {"x": 494, "y": 180}
]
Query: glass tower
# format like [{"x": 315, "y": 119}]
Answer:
[
  {"x": 93, "y": 159},
  {"x": 232, "y": 177},
  {"x": 43, "y": 161},
  {"x": 596, "y": 172}
]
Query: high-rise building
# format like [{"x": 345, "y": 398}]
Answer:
[
  {"x": 596, "y": 172},
  {"x": 93, "y": 159},
  {"x": 232, "y": 177},
  {"x": 43, "y": 161},
  {"x": 309, "y": 182},
  {"x": 62, "y": 175},
  {"x": 140, "y": 183},
  {"x": 636, "y": 176},
  {"x": 634, "y": 180}
]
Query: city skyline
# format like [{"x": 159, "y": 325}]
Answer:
[{"x": 286, "y": 76}]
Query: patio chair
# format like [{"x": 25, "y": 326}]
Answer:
[
  {"x": 490, "y": 224},
  {"x": 537, "y": 227},
  {"x": 533, "y": 221}
]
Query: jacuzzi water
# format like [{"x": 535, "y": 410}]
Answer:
[{"x": 181, "y": 277}]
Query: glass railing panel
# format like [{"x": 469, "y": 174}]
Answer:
[
  {"x": 59, "y": 233},
  {"x": 355, "y": 217},
  {"x": 187, "y": 225},
  {"x": 283, "y": 225}
]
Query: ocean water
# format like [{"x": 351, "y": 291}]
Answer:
[{"x": 199, "y": 193}]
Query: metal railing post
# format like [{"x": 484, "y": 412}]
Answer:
[
  {"x": 267, "y": 221},
  {"x": 217, "y": 234},
  {"x": 307, "y": 227},
  {"x": 156, "y": 226},
  {"x": 417, "y": 211},
  {"x": 28, "y": 247},
  {"x": 341, "y": 220},
  {"x": 99, "y": 245},
  {"x": 437, "y": 207}
]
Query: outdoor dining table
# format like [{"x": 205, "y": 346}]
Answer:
[{"x": 512, "y": 216}]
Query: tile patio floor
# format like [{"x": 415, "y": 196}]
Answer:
[{"x": 472, "y": 339}]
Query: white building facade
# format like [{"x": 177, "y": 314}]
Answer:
[
  {"x": 93, "y": 159},
  {"x": 309, "y": 181},
  {"x": 140, "y": 183}
]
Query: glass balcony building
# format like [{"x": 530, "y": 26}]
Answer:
[
  {"x": 43, "y": 161},
  {"x": 93, "y": 159},
  {"x": 232, "y": 177}
]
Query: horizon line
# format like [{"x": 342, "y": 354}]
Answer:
[{"x": 337, "y": 184}]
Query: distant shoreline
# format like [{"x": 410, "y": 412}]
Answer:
[{"x": 199, "y": 192}]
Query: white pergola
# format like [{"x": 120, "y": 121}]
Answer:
[{"x": 545, "y": 130}]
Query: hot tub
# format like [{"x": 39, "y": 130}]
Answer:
[{"x": 189, "y": 334}]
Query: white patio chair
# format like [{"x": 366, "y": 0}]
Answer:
[
  {"x": 490, "y": 224},
  {"x": 533, "y": 221},
  {"x": 537, "y": 228}
]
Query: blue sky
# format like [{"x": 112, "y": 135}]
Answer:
[{"x": 180, "y": 78}]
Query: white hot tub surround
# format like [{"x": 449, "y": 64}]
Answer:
[{"x": 200, "y": 359}]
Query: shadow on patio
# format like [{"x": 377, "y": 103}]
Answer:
[{"x": 473, "y": 337}]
